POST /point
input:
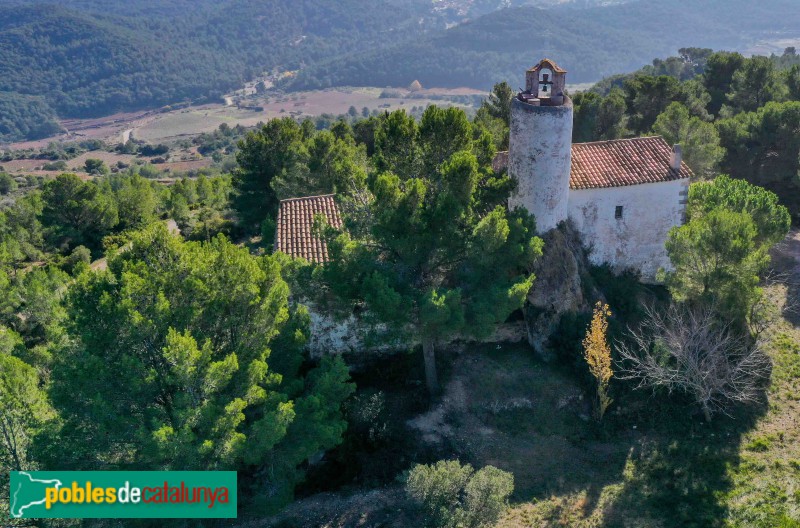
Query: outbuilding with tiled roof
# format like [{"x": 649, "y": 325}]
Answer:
[{"x": 294, "y": 233}]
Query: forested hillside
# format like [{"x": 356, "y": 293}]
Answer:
[
  {"x": 86, "y": 58},
  {"x": 91, "y": 58},
  {"x": 590, "y": 43}
]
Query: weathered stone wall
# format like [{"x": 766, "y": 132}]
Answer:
[
  {"x": 637, "y": 239},
  {"x": 540, "y": 158},
  {"x": 350, "y": 336},
  {"x": 331, "y": 336}
]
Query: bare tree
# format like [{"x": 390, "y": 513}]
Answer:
[{"x": 689, "y": 350}]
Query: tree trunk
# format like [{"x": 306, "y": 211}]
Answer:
[
  {"x": 706, "y": 412},
  {"x": 429, "y": 355}
]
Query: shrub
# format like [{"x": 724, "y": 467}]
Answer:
[
  {"x": 7, "y": 183},
  {"x": 153, "y": 150},
  {"x": 454, "y": 495},
  {"x": 96, "y": 166},
  {"x": 78, "y": 261},
  {"x": 59, "y": 165}
]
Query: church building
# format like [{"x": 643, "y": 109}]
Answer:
[{"x": 623, "y": 196}]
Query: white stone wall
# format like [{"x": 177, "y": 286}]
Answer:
[
  {"x": 329, "y": 336},
  {"x": 637, "y": 239},
  {"x": 540, "y": 158}
]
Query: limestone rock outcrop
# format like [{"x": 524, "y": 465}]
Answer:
[{"x": 558, "y": 287}]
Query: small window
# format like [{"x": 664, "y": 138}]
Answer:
[{"x": 618, "y": 212}]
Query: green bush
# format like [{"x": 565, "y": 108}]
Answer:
[
  {"x": 454, "y": 495},
  {"x": 96, "y": 166},
  {"x": 78, "y": 261},
  {"x": 7, "y": 183},
  {"x": 59, "y": 165}
]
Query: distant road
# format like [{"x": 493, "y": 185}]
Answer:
[{"x": 126, "y": 135}]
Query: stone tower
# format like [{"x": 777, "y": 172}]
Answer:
[{"x": 540, "y": 145}]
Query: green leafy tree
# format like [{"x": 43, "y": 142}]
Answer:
[
  {"x": 78, "y": 261},
  {"x": 453, "y": 495},
  {"x": 717, "y": 261},
  {"x": 720, "y": 254},
  {"x": 95, "y": 166},
  {"x": 763, "y": 148},
  {"x": 75, "y": 212},
  {"x": 498, "y": 104},
  {"x": 7, "y": 183},
  {"x": 186, "y": 355},
  {"x": 441, "y": 255},
  {"x": 793, "y": 82},
  {"x": 646, "y": 97},
  {"x": 274, "y": 150},
  {"x": 33, "y": 307},
  {"x": 718, "y": 77},
  {"x": 754, "y": 84},
  {"x": 494, "y": 113},
  {"x": 611, "y": 115},
  {"x": 21, "y": 230},
  {"x": 205, "y": 190},
  {"x": 771, "y": 219},
  {"x": 136, "y": 202},
  {"x": 23, "y": 404},
  {"x": 364, "y": 133},
  {"x": 396, "y": 147},
  {"x": 696, "y": 99},
  {"x": 699, "y": 139},
  {"x": 334, "y": 165},
  {"x": 598, "y": 118}
]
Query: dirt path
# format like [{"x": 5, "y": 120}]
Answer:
[{"x": 789, "y": 250}]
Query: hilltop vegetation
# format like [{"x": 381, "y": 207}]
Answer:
[
  {"x": 204, "y": 327},
  {"x": 590, "y": 43},
  {"x": 85, "y": 58}
]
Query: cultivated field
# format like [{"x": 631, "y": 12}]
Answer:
[{"x": 170, "y": 124}]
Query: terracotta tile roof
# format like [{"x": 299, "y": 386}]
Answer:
[
  {"x": 293, "y": 234},
  {"x": 548, "y": 63},
  {"x": 622, "y": 162}
]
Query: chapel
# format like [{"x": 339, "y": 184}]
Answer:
[{"x": 623, "y": 196}]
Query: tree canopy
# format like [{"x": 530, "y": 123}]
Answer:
[
  {"x": 441, "y": 254},
  {"x": 720, "y": 254},
  {"x": 699, "y": 139},
  {"x": 186, "y": 355}
]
